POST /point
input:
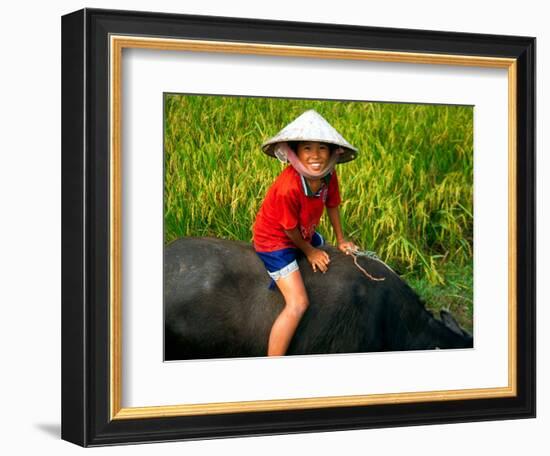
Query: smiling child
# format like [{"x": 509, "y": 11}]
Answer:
[{"x": 292, "y": 209}]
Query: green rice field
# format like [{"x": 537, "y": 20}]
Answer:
[{"x": 408, "y": 196}]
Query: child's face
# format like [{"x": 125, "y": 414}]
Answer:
[{"x": 313, "y": 155}]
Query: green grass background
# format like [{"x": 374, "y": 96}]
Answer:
[{"x": 408, "y": 196}]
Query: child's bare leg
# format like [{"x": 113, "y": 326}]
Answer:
[{"x": 296, "y": 302}]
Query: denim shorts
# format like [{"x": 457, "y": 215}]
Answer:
[{"x": 280, "y": 263}]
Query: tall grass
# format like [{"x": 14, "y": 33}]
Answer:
[{"x": 408, "y": 195}]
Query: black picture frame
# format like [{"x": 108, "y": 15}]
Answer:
[{"x": 86, "y": 338}]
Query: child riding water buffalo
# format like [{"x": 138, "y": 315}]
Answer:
[{"x": 292, "y": 209}]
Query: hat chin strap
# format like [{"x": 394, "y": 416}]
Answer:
[{"x": 286, "y": 155}]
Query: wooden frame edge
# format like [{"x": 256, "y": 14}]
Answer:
[
  {"x": 115, "y": 213},
  {"x": 309, "y": 403},
  {"x": 120, "y": 42},
  {"x": 170, "y": 44},
  {"x": 512, "y": 227}
]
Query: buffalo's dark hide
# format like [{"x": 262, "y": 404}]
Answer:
[{"x": 217, "y": 305}]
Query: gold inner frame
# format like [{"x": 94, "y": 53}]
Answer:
[{"x": 117, "y": 44}]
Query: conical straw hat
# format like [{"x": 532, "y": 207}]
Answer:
[{"x": 311, "y": 126}]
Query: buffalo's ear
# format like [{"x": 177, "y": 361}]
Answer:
[{"x": 450, "y": 322}]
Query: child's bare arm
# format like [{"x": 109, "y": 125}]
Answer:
[
  {"x": 334, "y": 216},
  {"x": 319, "y": 259}
]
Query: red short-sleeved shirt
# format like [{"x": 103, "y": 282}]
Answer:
[{"x": 287, "y": 206}]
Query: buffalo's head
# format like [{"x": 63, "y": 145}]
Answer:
[{"x": 450, "y": 334}]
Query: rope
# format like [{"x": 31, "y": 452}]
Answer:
[{"x": 372, "y": 256}]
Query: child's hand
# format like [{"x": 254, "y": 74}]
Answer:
[
  {"x": 318, "y": 259},
  {"x": 347, "y": 247}
]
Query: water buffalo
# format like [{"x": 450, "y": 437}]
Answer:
[{"x": 218, "y": 305}]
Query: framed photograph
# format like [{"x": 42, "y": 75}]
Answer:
[
  {"x": 219, "y": 194},
  {"x": 199, "y": 156}
]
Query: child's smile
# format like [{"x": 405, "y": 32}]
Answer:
[{"x": 313, "y": 155}]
